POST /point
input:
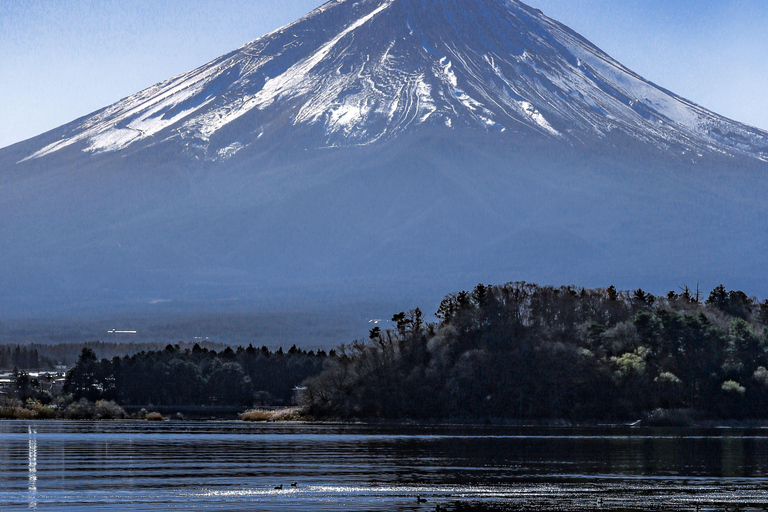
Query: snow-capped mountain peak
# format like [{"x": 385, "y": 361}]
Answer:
[{"x": 354, "y": 72}]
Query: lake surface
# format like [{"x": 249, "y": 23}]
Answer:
[{"x": 132, "y": 465}]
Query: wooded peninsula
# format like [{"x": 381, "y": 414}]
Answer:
[{"x": 510, "y": 352}]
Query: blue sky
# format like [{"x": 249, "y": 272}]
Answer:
[{"x": 63, "y": 59}]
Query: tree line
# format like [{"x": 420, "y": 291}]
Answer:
[
  {"x": 523, "y": 351},
  {"x": 194, "y": 376},
  {"x": 23, "y": 357},
  {"x": 51, "y": 355}
]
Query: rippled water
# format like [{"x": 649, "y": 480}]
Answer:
[{"x": 65, "y": 466}]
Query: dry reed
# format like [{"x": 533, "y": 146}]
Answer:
[{"x": 285, "y": 414}]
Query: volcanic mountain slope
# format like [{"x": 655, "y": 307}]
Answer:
[{"x": 384, "y": 147}]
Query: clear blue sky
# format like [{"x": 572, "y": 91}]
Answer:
[{"x": 61, "y": 59}]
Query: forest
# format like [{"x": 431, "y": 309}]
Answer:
[
  {"x": 523, "y": 351},
  {"x": 195, "y": 376}
]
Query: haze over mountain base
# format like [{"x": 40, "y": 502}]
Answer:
[{"x": 413, "y": 221}]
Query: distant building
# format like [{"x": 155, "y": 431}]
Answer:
[
  {"x": 297, "y": 397},
  {"x": 6, "y": 380}
]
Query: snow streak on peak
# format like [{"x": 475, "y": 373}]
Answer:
[{"x": 354, "y": 72}]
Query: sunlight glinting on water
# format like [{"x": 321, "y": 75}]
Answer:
[
  {"x": 32, "y": 465},
  {"x": 131, "y": 465}
]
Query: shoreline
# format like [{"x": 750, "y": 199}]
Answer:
[{"x": 528, "y": 424}]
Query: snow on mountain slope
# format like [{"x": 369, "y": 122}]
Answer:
[{"x": 361, "y": 71}]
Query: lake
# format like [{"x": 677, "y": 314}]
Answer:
[{"x": 133, "y": 465}]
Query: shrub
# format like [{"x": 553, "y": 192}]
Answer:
[
  {"x": 101, "y": 410},
  {"x": 256, "y": 415},
  {"x": 80, "y": 410},
  {"x": 17, "y": 413},
  {"x": 154, "y": 416},
  {"x": 41, "y": 411},
  {"x": 286, "y": 414},
  {"x": 13, "y": 409},
  {"x": 108, "y": 410}
]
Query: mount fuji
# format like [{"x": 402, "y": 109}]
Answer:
[{"x": 383, "y": 150}]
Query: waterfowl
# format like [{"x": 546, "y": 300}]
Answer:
[
  {"x": 279, "y": 487},
  {"x": 419, "y": 499}
]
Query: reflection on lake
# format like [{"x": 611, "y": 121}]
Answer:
[
  {"x": 32, "y": 467},
  {"x": 233, "y": 466}
]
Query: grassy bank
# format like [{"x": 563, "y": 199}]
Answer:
[{"x": 15, "y": 409}]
